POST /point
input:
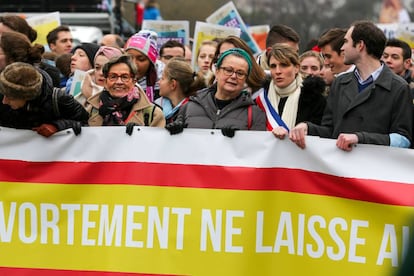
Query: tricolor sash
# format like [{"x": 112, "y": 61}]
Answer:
[{"x": 273, "y": 118}]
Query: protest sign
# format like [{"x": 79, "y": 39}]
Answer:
[
  {"x": 228, "y": 15},
  {"x": 206, "y": 31},
  {"x": 43, "y": 24},
  {"x": 169, "y": 30}
]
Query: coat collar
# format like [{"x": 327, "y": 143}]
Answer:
[{"x": 384, "y": 81}]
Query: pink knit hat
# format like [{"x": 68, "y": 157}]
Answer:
[{"x": 146, "y": 42}]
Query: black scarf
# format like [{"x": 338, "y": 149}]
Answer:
[{"x": 115, "y": 111}]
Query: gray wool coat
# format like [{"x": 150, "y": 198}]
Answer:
[
  {"x": 202, "y": 112},
  {"x": 382, "y": 108}
]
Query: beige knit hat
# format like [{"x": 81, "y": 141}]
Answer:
[{"x": 20, "y": 80}]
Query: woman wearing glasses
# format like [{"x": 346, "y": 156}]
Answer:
[
  {"x": 225, "y": 105},
  {"x": 287, "y": 99},
  {"x": 122, "y": 102}
]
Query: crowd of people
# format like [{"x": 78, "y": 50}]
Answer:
[{"x": 352, "y": 85}]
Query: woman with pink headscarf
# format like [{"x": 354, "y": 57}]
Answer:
[{"x": 94, "y": 79}]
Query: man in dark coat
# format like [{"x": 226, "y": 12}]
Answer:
[{"x": 370, "y": 105}]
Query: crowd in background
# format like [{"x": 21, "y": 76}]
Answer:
[{"x": 351, "y": 84}]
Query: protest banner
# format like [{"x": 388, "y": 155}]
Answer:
[
  {"x": 227, "y": 15},
  {"x": 200, "y": 203},
  {"x": 169, "y": 30},
  {"x": 207, "y": 31},
  {"x": 43, "y": 24}
]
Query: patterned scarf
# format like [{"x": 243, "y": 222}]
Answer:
[{"x": 115, "y": 111}]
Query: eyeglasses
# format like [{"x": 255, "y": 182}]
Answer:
[
  {"x": 115, "y": 77},
  {"x": 228, "y": 71}
]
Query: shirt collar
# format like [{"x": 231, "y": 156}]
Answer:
[{"x": 373, "y": 77}]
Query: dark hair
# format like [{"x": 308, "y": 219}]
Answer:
[
  {"x": 190, "y": 82},
  {"x": 20, "y": 25},
  {"x": 17, "y": 47},
  {"x": 333, "y": 37},
  {"x": 52, "y": 36},
  {"x": 281, "y": 33},
  {"x": 406, "y": 49},
  {"x": 171, "y": 44},
  {"x": 63, "y": 63},
  {"x": 372, "y": 36},
  {"x": 257, "y": 75},
  {"x": 126, "y": 59}
]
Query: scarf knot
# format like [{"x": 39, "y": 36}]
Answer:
[{"x": 115, "y": 111}]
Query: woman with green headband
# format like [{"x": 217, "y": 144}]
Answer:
[{"x": 225, "y": 105}]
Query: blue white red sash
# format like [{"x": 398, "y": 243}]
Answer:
[{"x": 272, "y": 117}]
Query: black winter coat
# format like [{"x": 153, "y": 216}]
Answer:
[
  {"x": 40, "y": 111},
  {"x": 312, "y": 103}
]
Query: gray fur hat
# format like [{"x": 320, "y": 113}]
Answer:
[{"x": 20, "y": 80}]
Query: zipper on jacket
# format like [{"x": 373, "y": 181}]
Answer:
[{"x": 217, "y": 116}]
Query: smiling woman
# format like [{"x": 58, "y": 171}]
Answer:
[
  {"x": 122, "y": 102},
  {"x": 225, "y": 105}
]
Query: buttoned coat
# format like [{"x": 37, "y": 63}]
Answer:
[{"x": 384, "y": 107}]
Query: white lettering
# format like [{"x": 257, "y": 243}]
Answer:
[
  {"x": 354, "y": 241},
  {"x": 46, "y": 223},
  {"x": 337, "y": 239},
  {"x": 87, "y": 224},
  {"x": 215, "y": 232},
  {"x": 230, "y": 231},
  {"x": 131, "y": 226},
  {"x": 316, "y": 237},
  {"x": 108, "y": 228},
  {"x": 260, "y": 248},
  {"x": 180, "y": 212},
  {"x": 70, "y": 208},
  {"x": 389, "y": 238},
  {"x": 154, "y": 222},
  {"x": 301, "y": 234},
  {"x": 32, "y": 220},
  {"x": 285, "y": 225},
  {"x": 6, "y": 229}
]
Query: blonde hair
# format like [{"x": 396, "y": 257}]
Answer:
[
  {"x": 314, "y": 54},
  {"x": 206, "y": 43},
  {"x": 284, "y": 54}
]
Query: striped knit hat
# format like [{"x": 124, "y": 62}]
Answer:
[{"x": 146, "y": 42}]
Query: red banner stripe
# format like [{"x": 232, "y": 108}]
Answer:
[
  {"x": 208, "y": 176},
  {"x": 10, "y": 271}
]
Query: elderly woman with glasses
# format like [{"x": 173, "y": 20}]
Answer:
[
  {"x": 122, "y": 102},
  {"x": 226, "y": 105}
]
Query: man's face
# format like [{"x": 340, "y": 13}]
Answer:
[
  {"x": 169, "y": 53},
  {"x": 333, "y": 59},
  {"x": 63, "y": 43},
  {"x": 350, "y": 51},
  {"x": 393, "y": 58}
]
